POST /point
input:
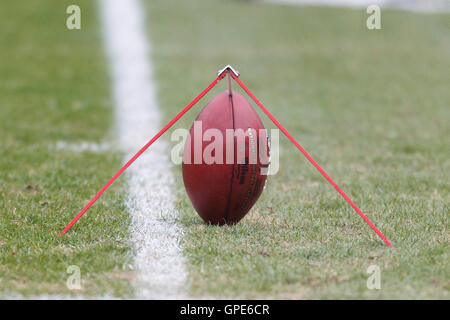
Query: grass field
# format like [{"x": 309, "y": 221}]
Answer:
[
  {"x": 54, "y": 91},
  {"x": 372, "y": 107}
]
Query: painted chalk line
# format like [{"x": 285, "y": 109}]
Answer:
[{"x": 156, "y": 236}]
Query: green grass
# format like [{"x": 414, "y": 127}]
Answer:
[
  {"x": 371, "y": 106},
  {"x": 54, "y": 87}
]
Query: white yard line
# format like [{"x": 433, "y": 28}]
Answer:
[
  {"x": 45, "y": 296},
  {"x": 426, "y": 6},
  {"x": 159, "y": 262},
  {"x": 83, "y": 146}
]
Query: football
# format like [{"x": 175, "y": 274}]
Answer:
[{"x": 225, "y": 159}]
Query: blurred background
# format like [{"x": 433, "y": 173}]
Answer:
[{"x": 412, "y": 5}]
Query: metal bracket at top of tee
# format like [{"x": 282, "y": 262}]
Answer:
[{"x": 228, "y": 68}]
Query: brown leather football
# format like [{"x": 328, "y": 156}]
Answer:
[{"x": 225, "y": 159}]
